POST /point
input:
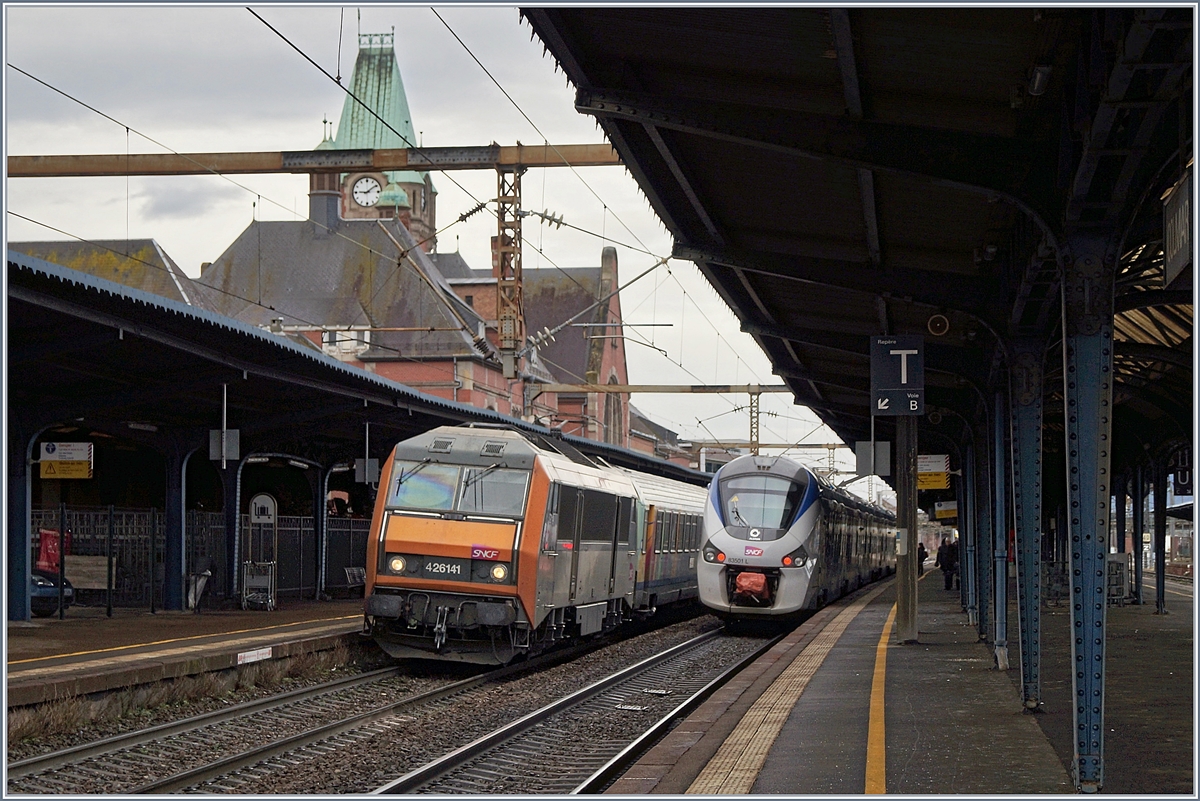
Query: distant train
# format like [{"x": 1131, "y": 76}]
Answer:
[
  {"x": 781, "y": 540},
  {"x": 489, "y": 542}
]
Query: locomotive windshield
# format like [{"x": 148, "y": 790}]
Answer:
[
  {"x": 445, "y": 488},
  {"x": 760, "y": 501}
]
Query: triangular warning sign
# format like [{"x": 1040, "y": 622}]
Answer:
[{"x": 50, "y": 469}]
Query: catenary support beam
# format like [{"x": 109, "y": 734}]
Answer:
[
  {"x": 1025, "y": 375},
  {"x": 1089, "y": 269}
]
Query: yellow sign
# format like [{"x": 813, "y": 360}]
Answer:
[
  {"x": 928, "y": 481},
  {"x": 945, "y": 510},
  {"x": 66, "y": 469}
]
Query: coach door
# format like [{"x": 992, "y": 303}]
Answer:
[{"x": 624, "y": 555}]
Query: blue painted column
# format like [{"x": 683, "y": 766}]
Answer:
[
  {"x": 983, "y": 538},
  {"x": 1000, "y": 537},
  {"x": 1139, "y": 528},
  {"x": 1160, "y": 537},
  {"x": 1026, "y": 380},
  {"x": 967, "y": 534},
  {"x": 174, "y": 578},
  {"x": 1089, "y": 268},
  {"x": 20, "y": 542},
  {"x": 1119, "y": 505}
]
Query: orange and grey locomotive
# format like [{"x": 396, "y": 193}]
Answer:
[{"x": 488, "y": 543}]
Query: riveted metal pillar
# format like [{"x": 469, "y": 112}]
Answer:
[
  {"x": 1000, "y": 538},
  {"x": 1087, "y": 295},
  {"x": 1139, "y": 529},
  {"x": 1160, "y": 537},
  {"x": 174, "y": 575},
  {"x": 906, "y": 520},
  {"x": 1119, "y": 505},
  {"x": 983, "y": 540},
  {"x": 970, "y": 534},
  {"x": 1025, "y": 375}
]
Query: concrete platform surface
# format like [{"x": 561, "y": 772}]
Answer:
[{"x": 87, "y": 652}]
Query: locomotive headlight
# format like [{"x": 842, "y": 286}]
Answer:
[
  {"x": 713, "y": 554},
  {"x": 797, "y": 558},
  {"x": 499, "y": 572},
  {"x": 396, "y": 564}
]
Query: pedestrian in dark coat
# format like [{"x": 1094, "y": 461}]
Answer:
[
  {"x": 947, "y": 560},
  {"x": 922, "y": 555}
]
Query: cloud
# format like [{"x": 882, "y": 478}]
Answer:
[{"x": 173, "y": 199}]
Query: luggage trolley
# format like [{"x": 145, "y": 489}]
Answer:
[{"x": 260, "y": 556}]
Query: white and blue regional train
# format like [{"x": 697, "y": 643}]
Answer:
[{"x": 781, "y": 540}]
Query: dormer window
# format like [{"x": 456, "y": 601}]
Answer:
[{"x": 345, "y": 343}]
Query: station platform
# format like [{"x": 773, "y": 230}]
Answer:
[
  {"x": 838, "y": 708},
  {"x": 87, "y": 652}
]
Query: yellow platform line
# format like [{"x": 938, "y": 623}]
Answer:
[
  {"x": 179, "y": 639},
  {"x": 876, "y": 741},
  {"x": 736, "y": 765}
]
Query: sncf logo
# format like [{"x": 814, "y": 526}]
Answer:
[
  {"x": 480, "y": 552},
  {"x": 752, "y": 551}
]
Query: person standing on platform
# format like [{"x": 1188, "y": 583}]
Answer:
[
  {"x": 947, "y": 560},
  {"x": 922, "y": 555}
]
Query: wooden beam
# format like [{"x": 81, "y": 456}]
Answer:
[{"x": 314, "y": 161}]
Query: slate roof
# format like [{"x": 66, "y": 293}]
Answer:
[
  {"x": 351, "y": 277},
  {"x": 138, "y": 263},
  {"x": 550, "y": 297}
]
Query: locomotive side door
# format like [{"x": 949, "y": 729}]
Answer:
[{"x": 569, "y": 523}]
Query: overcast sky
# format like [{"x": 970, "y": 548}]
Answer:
[{"x": 216, "y": 79}]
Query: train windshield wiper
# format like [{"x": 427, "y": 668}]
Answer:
[
  {"x": 406, "y": 476},
  {"x": 738, "y": 515},
  {"x": 480, "y": 475}
]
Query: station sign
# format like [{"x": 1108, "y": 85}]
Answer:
[
  {"x": 933, "y": 471},
  {"x": 1177, "y": 229},
  {"x": 943, "y": 510},
  {"x": 897, "y": 376},
  {"x": 66, "y": 460}
]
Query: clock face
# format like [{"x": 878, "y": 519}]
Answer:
[{"x": 366, "y": 191}]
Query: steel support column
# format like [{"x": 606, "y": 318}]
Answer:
[
  {"x": 983, "y": 539},
  {"x": 1089, "y": 267},
  {"x": 1000, "y": 538},
  {"x": 1160, "y": 537},
  {"x": 970, "y": 534},
  {"x": 906, "y": 521},
  {"x": 1119, "y": 506},
  {"x": 20, "y": 545},
  {"x": 1139, "y": 529},
  {"x": 174, "y": 576},
  {"x": 1025, "y": 375}
]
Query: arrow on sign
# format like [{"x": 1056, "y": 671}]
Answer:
[{"x": 882, "y": 403}]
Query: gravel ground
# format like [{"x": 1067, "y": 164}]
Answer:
[
  {"x": 430, "y": 732},
  {"x": 141, "y": 718}
]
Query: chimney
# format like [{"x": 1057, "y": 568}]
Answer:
[{"x": 324, "y": 199}]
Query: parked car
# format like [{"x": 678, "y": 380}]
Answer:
[{"x": 43, "y": 594}]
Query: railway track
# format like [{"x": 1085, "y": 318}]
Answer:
[
  {"x": 582, "y": 742},
  {"x": 149, "y": 760},
  {"x": 261, "y": 745}
]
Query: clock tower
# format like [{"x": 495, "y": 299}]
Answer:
[{"x": 406, "y": 195}]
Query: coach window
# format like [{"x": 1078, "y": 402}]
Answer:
[{"x": 626, "y": 521}]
